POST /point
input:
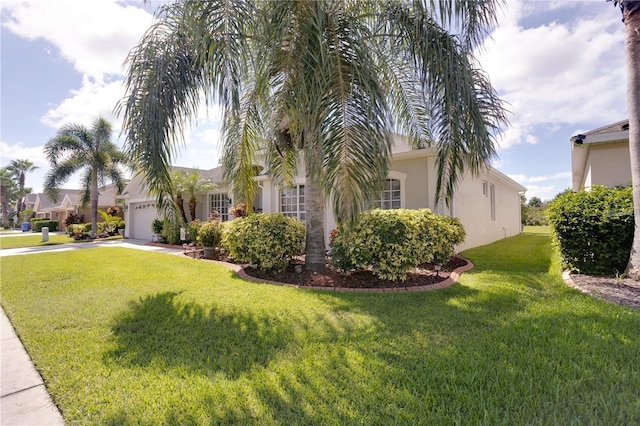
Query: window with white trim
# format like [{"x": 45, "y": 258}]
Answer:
[
  {"x": 485, "y": 189},
  {"x": 390, "y": 197},
  {"x": 292, "y": 202},
  {"x": 220, "y": 203}
]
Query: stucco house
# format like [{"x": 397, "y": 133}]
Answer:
[
  {"x": 488, "y": 205},
  {"x": 601, "y": 157},
  {"x": 70, "y": 201}
]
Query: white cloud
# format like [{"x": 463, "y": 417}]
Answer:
[
  {"x": 567, "y": 71},
  {"x": 18, "y": 151},
  {"x": 523, "y": 179},
  {"x": 92, "y": 100},
  {"x": 95, "y": 36}
]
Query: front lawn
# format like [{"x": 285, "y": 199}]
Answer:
[
  {"x": 35, "y": 240},
  {"x": 130, "y": 337},
  {"x": 32, "y": 240}
]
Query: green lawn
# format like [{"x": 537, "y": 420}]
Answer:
[
  {"x": 35, "y": 240},
  {"x": 130, "y": 337}
]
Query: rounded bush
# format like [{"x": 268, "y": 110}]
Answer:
[
  {"x": 593, "y": 230},
  {"x": 394, "y": 241},
  {"x": 210, "y": 233},
  {"x": 268, "y": 240}
]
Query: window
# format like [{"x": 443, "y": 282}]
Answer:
[
  {"x": 492, "y": 195},
  {"x": 390, "y": 197},
  {"x": 292, "y": 202},
  {"x": 220, "y": 203},
  {"x": 485, "y": 191}
]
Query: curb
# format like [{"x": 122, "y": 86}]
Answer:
[{"x": 452, "y": 279}]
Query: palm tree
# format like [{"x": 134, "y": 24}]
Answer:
[
  {"x": 193, "y": 184},
  {"x": 19, "y": 170},
  {"x": 8, "y": 192},
  {"x": 76, "y": 148},
  {"x": 631, "y": 18},
  {"x": 178, "y": 178},
  {"x": 327, "y": 80}
]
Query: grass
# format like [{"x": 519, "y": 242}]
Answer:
[
  {"x": 35, "y": 240},
  {"x": 129, "y": 337}
]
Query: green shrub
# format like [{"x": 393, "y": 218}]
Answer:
[
  {"x": 192, "y": 230},
  {"x": 33, "y": 220},
  {"x": 593, "y": 230},
  {"x": 268, "y": 240},
  {"x": 171, "y": 232},
  {"x": 77, "y": 230},
  {"x": 121, "y": 224},
  {"x": 39, "y": 224},
  {"x": 394, "y": 241},
  {"x": 210, "y": 233}
]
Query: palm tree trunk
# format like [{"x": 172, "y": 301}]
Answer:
[
  {"x": 180, "y": 203},
  {"x": 314, "y": 207},
  {"x": 632, "y": 47},
  {"x": 94, "y": 203},
  {"x": 192, "y": 208}
]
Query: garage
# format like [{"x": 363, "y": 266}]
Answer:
[{"x": 140, "y": 217}]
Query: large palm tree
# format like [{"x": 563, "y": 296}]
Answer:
[
  {"x": 329, "y": 80},
  {"x": 631, "y": 18},
  {"x": 76, "y": 148},
  {"x": 19, "y": 170}
]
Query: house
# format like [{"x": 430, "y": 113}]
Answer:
[
  {"x": 601, "y": 157},
  {"x": 488, "y": 205},
  {"x": 70, "y": 201}
]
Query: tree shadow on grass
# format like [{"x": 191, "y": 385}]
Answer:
[{"x": 161, "y": 332}]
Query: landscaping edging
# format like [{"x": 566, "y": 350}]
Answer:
[{"x": 452, "y": 279}]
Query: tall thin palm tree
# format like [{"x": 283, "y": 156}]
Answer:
[
  {"x": 19, "y": 170},
  {"x": 631, "y": 17},
  {"x": 76, "y": 148},
  {"x": 327, "y": 80}
]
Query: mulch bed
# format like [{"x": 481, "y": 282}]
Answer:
[
  {"x": 622, "y": 291},
  {"x": 424, "y": 275}
]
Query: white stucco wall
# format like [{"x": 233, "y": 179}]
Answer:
[{"x": 608, "y": 165}]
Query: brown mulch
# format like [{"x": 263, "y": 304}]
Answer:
[
  {"x": 423, "y": 275},
  {"x": 623, "y": 291}
]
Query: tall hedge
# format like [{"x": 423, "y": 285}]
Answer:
[
  {"x": 394, "y": 241},
  {"x": 593, "y": 230}
]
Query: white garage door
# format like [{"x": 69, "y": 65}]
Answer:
[{"x": 142, "y": 214}]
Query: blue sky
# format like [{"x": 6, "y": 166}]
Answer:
[{"x": 559, "y": 66}]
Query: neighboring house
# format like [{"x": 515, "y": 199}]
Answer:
[
  {"x": 601, "y": 157},
  {"x": 488, "y": 206},
  {"x": 70, "y": 201}
]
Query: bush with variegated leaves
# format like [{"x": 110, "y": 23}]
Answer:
[
  {"x": 268, "y": 240},
  {"x": 394, "y": 241}
]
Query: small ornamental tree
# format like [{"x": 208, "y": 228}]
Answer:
[
  {"x": 593, "y": 230},
  {"x": 394, "y": 241}
]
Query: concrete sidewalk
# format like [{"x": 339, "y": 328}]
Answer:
[{"x": 24, "y": 399}]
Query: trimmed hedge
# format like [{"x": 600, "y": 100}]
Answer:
[
  {"x": 268, "y": 240},
  {"x": 37, "y": 225},
  {"x": 392, "y": 242},
  {"x": 593, "y": 230}
]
